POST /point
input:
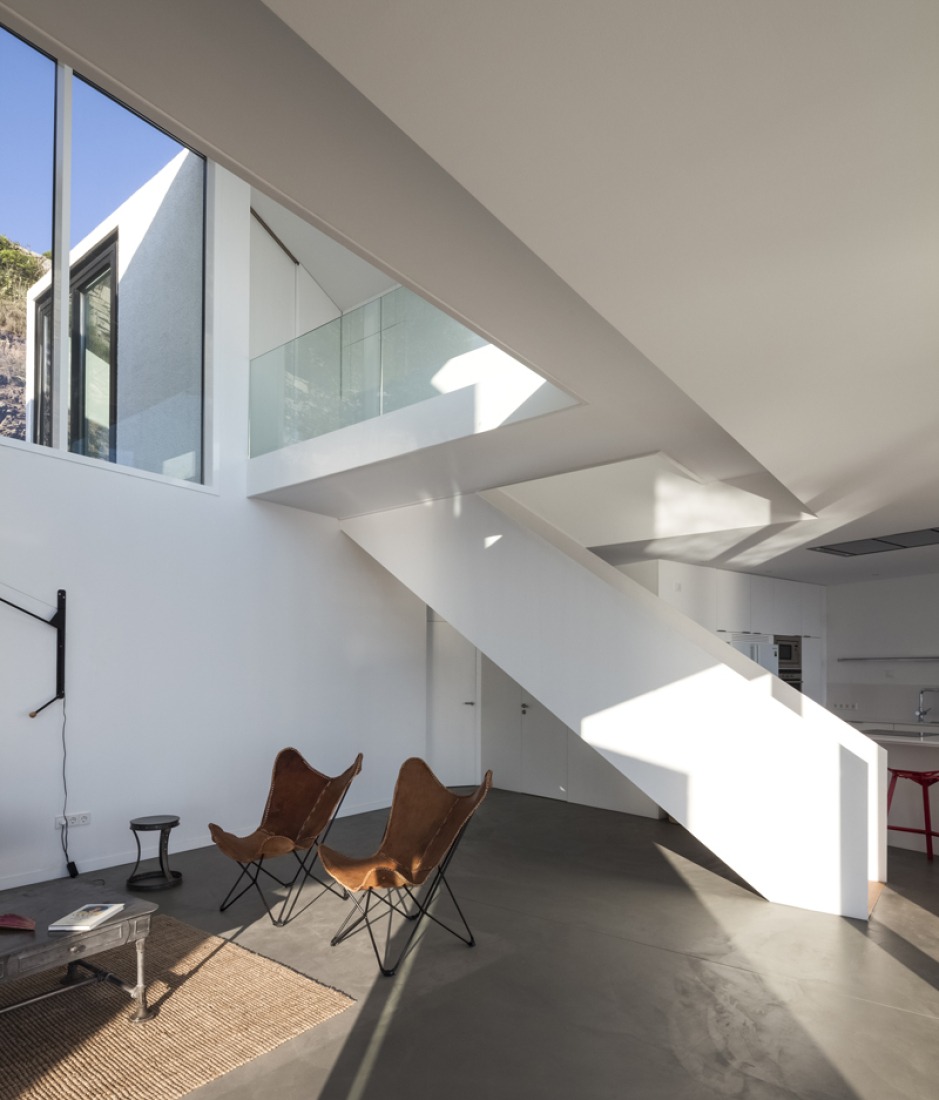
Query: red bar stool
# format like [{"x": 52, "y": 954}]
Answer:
[{"x": 925, "y": 780}]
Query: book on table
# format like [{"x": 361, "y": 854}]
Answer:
[{"x": 86, "y": 917}]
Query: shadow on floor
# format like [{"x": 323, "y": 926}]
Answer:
[{"x": 615, "y": 957}]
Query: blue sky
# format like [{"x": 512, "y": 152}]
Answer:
[{"x": 114, "y": 151}]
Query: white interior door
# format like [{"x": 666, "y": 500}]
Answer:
[
  {"x": 530, "y": 750},
  {"x": 544, "y": 750},
  {"x": 501, "y": 727},
  {"x": 452, "y": 706}
]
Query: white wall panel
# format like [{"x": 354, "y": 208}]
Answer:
[
  {"x": 314, "y": 307},
  {"x": 273, "y": 304}
]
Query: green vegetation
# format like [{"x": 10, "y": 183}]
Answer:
[{"x": 19, "y": 269}]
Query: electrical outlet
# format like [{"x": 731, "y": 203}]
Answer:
[{"x": 74, "y": 820}]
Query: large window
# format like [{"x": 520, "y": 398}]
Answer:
[
  {"x": 101, "y": 275},
  {"x": 27, "y": 91}
]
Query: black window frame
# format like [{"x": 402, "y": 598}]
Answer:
[{"x": 82, "y": 273}]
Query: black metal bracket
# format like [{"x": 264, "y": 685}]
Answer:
[{"x": 58, "y": 622}]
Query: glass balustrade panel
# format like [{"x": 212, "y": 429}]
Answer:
[
  {"x": 419, "y": 341},
  {"x": 383, "y": 356}
]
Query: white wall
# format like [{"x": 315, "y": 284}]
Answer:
[
  {"x": 285, "y": 299},
  {"x": 885, "y": 618},
  {"x": 273, "y": 293},
  {"x": 206, "y": 631}
]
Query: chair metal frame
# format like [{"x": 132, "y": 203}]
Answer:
[
  {"x": 411, "y": 900},
  {"x": 254, "y": 869},
  {"x": 420, "y": 908},
  {"x": 304, "y": 872}
]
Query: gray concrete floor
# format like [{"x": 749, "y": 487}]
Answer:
[{"x": 616, "y": 958}]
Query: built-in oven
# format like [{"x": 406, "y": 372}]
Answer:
[
  {"x": 790, "y": 652},
  {"x": 792, "y": 677}
]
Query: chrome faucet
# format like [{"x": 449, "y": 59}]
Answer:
[{"x": 922, "y": 711}]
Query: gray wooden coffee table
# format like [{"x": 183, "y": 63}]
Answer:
[{"x": 23, "y": 954}]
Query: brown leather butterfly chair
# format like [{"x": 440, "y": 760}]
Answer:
[
  {"x": 425, "y": 824},
  {"x": 301, "y": 806}
]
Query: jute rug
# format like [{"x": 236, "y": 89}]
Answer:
[{"x": 217, "y": 1007}]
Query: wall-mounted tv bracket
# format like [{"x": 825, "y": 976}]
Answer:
[{"x": 58, "y": 622}]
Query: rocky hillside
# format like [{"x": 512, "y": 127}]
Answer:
[
  {"x": 12, "y": 382},
  {"x": 19, "y": 269}
]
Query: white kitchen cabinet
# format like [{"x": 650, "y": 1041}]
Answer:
[
  {"x": 762, "y": 605},
  {"x": 766, "y": 605},
  {"x": 814, "y": 673},
  {"x": 788, "y": 607},
  {"x": 813, "y": 610},
  {"x": 733, "y": 601}
]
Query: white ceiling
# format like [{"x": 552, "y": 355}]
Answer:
[
  {"x": 748, "y": 192},
  {"x": 716, "y": 225}
]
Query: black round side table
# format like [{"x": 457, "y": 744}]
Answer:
[{"x": 164, "y": 878}]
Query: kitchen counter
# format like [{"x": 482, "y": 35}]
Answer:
[
  {"x": 921, "y": 739},
  {"x": 900, "y": 733},
  {"x": 914, "y": 747}
]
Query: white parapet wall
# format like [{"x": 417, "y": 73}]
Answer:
[{"x": 789, "y": 796}]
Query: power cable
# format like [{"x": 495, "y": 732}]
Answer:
[{"x": 69, "y": 864}]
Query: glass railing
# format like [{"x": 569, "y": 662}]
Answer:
[{"x": 392, "y": 352}]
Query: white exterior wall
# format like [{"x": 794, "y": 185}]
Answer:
[
  {"x": 159, "y": 319},
  {"x": 205, "y": 631}
]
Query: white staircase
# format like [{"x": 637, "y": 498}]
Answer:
[{"x": 785, "y": 793}]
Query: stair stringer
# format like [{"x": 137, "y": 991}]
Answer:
[{"x": 785, "y": 793}]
